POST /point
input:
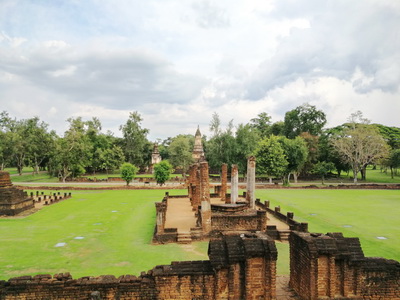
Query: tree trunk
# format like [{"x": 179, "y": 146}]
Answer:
[
  {"x": 363, "y": 172},
  {"x": 323, "y": 183},
  {"x": 270, "y": 180},
  {"x": 391, "y": 171},
  {"x": 295, "y": 175},
  {"x": 355, "y": 176}
]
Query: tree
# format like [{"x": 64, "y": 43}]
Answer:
[
  {"x": 270, "y": 158},
  {"x": 128, "y": 172},
  {"x": 162, "y": 171},
  {"x": 40, "y": 142},
  {"x": 180, "y": 152},
  {"x": 304, "y": 118},
  {"x": 262, "y": 123},
  {"x": 72, "y": 152},
  {"x": 360, "y": 144},
  {"x": 296, "y": 154},
  {"x": 221, "y": 148},
  {"x": 247, "y": 138},
  {"x": 136, "y": 147},
  {"x": 322, "y": 168},
  {"x": 393, "y": 161}
]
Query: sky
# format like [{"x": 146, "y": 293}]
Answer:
[{"x": 178, "y": 62}]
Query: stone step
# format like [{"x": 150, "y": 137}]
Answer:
[
  {"x": 284, "y": 235},
  {"x": 184, "y": 238}
]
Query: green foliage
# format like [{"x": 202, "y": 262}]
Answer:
[
  {"x": 128, "y": 172},
  {"x": 270, "y": 157},
  {"x": 180, "y": 151},
  {"x": 136, "y": 147},
  {"x": 262, "y": 124},
  {"x": 221, "y": 148},
  {"x": 304, "y": 118},
  {"x": 162, "y": 171},
  {"x": 246, "y": 142},
  {"x": 360, "y": 145},
  {"x": 323, "y": 168},
  {"x": 390, "y": 134},
  {"x": 296, "y": 154}
]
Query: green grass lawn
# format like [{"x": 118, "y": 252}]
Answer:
[
  {"x": 114, "y": 242},
  {"x": 117, "y": 228},
  {"x": 366, "y": 214}
]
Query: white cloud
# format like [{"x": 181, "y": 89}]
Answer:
[{"x": 177, "y": 62}]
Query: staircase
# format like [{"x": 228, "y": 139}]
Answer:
[
  {"x": 284, "y": 235},
  {"x": 184, "y": 238}
]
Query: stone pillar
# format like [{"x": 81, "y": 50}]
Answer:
[
  {"x": 205, "y": 198},
  {"x": 251, "y": 181},
  {"x": 234, "y": 184},
  {"x": 160, "y": 221},
  {"x": 224, "y": 181}
]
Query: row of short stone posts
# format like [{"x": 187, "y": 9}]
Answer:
[{"x": 56, "y": 197}]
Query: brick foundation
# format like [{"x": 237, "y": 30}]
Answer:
[
  {"x": 239, "y": 268},
  {"x": 333, "y": 267}
]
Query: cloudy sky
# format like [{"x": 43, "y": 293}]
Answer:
[{"x": 178, "y": 61}]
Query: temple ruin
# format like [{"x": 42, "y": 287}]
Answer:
[
  {"x": 12, "y": 200},
  {"x": 198, "y": 152}
]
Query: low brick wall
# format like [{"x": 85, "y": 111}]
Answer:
[
  {"x": 240, "y": 221},
  {"x": 239, "y": 268},
  {"x": 334, "y": 267}
]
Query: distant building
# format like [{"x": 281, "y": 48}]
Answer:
[
  {"x": 155, "y": 157},
  {"x": 198, "y": 152}
]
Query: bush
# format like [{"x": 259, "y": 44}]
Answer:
[
  {"x": 128, "y": 172},
  {"x": 162, "y": 171}
]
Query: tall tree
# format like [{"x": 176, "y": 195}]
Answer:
[
  {"x": 135, "y": 144},
  {"x": 247, "y": 138},
  {"x": 360, "y": 144},
  {"x": 180, "y": 152},
  {"x": 304, "y": 118},
  {"x": 270, "y": 158},
  {"x": 262, "y": 123},
  {"x": 221, "y": 148},
  {"x": 296, "y": 154}
]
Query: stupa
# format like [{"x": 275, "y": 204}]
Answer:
[{"x": 12, "y": 200}]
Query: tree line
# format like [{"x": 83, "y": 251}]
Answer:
[{"x": 297, "y": 146}]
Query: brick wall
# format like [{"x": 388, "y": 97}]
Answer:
[
  {"x": 250, "y": 220},
  {"x": 334, "y": 267},
  {"x": 239, "y": 268}
]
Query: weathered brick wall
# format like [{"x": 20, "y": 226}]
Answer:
[
  {"x": 331, "y": 266},
  {"x": 12, "y": 200},
  {"x": 244, "y": 221},
  {"x": 239, "y": 268}
]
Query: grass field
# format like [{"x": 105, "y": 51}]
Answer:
[
  {"x": 366, "y": 214},
  {"x": 117, "y": 227}
]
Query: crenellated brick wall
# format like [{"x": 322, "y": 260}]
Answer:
[
  {"x": 239, "y": 268},
  {"x": 334, "y": 267}
]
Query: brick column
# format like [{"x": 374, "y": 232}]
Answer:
[
  {"x": 224, "y": 180},
  {"x": 205, "y": 198},
  {"x": 234, "y": 183},
  {"x": 251, "y": 181}
]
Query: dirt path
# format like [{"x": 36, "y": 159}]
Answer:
[{"x": 180, "y": 215}]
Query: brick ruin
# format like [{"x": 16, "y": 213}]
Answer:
[
  {"x": 334, "y": 267},
  {"x": 238, "y": 268},
  {"x": 232, "y": 214},
  {"x": 12, "y": 200}
]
